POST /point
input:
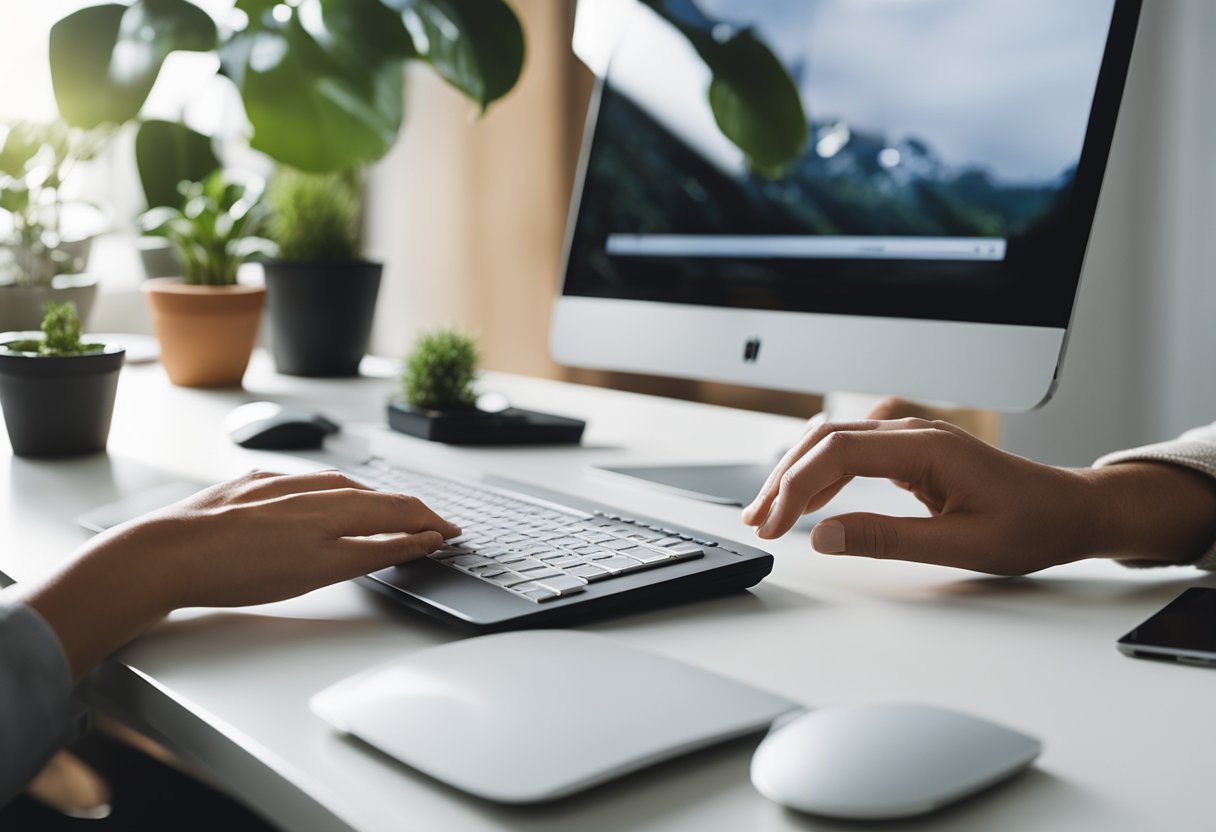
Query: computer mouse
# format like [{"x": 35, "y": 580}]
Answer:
[
  {"x": 270, "y": 426},
  {"x": 883, "y": 761}
]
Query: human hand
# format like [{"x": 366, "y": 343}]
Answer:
[
  {"x": 991, "y": 511},
  {"x": 265, "y": 537},
  {"x": 256, "y": 539}
]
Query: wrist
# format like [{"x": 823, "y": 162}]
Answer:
[{"x": 1149, "y": 511}]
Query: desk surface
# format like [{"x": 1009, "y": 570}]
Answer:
[{"x": 1125, "y": 747}]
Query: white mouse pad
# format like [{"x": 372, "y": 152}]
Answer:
[{"x": 532, "y": 716}]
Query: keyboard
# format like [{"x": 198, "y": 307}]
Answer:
[{"x": 534, "y": 554}]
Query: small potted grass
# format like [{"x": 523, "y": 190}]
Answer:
[
  {"x": 439, "y": 402},
  {"x": 320, "y": 292},
  {"x": 57, "y": 392}
]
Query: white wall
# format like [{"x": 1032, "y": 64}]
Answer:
[{"x": 1138, "y": 365}]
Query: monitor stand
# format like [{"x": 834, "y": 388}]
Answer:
[{"x": 725, "y": 484}]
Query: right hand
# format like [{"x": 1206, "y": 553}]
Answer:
[{"x": 991, "y": 511}]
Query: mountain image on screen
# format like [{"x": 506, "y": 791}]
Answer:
[{"x": 848, "y": 183}]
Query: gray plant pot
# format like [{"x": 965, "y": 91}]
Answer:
[
  {"x": 321, "y": 315},
  {"x": 59, "y": 405},
  {"x": 22, "y": 307}
]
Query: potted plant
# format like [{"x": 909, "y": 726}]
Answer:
[
  {"x": 440, "y": 404},
  {"x": 41, "y": 254},
  {"x": 58, "y": 393},
  {"x": 320, "y": 294},
  {"x": 205, "y": 321}
]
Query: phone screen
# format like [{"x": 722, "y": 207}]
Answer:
[{"x": 1184, "y": 630}]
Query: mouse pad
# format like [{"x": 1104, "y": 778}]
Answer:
[{"x": 531, "y": 716}]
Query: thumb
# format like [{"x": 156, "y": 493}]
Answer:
[{"x": 924, "y": 539}]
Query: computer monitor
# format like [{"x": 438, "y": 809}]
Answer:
[{"x": 927, "y": 241}]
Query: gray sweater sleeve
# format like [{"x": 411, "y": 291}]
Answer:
[
  {"x": 1195, "y": 449},
  {"x": 39, "y": 710}
]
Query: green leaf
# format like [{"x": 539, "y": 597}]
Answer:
[
  {"x": 105, "y": 59},
  {"x": 20, "y": 145},
  {"x": 322, "y": 92},
  {"x": 756, "y": 104},
  {"x": 168, "y": 153},
  {"x": 477, "y": 46}
]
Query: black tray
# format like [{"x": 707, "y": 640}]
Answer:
[{"x": 512, "y": 426}]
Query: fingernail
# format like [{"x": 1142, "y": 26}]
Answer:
[{"x": 828, "y": 537}]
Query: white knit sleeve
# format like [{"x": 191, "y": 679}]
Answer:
[{"x": 1195, "y": 449}]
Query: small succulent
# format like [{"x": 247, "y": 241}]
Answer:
[
  {"x": 214, "y": 231},
  {"x": 440, "y": 371},
  {"x": 61, "y": 331},
  {"x": 313, "y": 217}
]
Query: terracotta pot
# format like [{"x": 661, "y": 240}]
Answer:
[{"x": 206, "y": 333}]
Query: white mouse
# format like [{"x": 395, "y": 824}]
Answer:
[{"x": 870, "y": 762}]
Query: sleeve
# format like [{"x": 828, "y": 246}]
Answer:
[
  {"x": 39, "y": 709},
  {"x": 1195, "y": 449}
]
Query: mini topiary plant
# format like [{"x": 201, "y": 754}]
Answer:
[
  {"x": 61, "y": 331},
  {"x": 313, "y": 217},
  {"x": 440, "y": 371}
]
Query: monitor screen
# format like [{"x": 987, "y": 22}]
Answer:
[{"x": 950, "y": 171}]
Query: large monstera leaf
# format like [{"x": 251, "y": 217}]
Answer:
[
  {"x": 321, "y": 80},
  {"x": 324, "y": 87},
  {"x": 105, "y": 59},
  {"x": 477, "y": 46}
]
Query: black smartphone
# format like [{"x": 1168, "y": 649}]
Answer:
[{"x": 1183, "y": 631}]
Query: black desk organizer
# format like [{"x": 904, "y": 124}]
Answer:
[{"x": 512, "y": 426}]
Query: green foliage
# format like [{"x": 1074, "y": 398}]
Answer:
[
  {"x": 61, "y": 331},
  {"x": 754, "y": 101},
  {"x": 440, "y": 371},
  {"x": 313, "y": 217},
  {"x": 168, "y": 153},
  {"x": 35, "y": 161},
  {"x": 322, "y": 81},
  {"x": 214, "y": 231}
]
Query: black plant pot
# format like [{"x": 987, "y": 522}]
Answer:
[
  {"x": 471, "y": 426},
  {"x": 59, "y": 405},
  {"x": 321, "y": 315}
]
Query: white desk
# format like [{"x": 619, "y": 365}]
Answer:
[{"x": 1127, "y": 742}]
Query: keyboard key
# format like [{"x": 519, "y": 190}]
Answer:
[
  {"x": 616, "y": 545},
  {"x": 619, "y": 564},
  {"x": 686, "y": 550},
  {"x": 470, "y": 561},
  {"x": 509, "y": 579},
  {"x": 542, "y": 594},
  {"x": 669, "y": 541},
  {"x": 565, "y": 584},
  {"x": 648, "y": 555},
  {"x": 588, "y": 572},
  {"x": 541, "y": 574}
]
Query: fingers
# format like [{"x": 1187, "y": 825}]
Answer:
[
  {"x": 358, "y": 512},
  {"x": 816, "y": 429},
  {"x": 922, "y": 539},
  {"x": 268, "y": 488},
  {"x": 904, "y": 455},
  {"x": 359, "y": 556}
]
